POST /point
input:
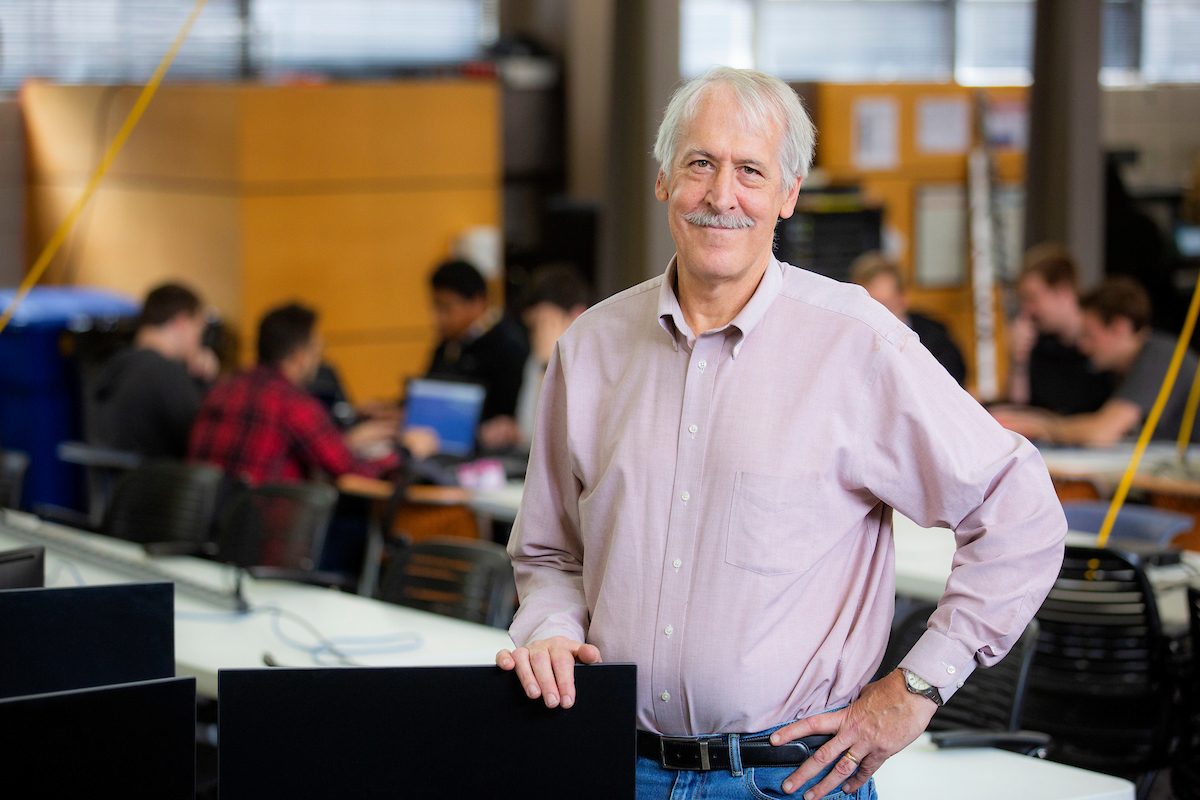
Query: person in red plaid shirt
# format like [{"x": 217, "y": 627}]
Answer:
[{"x": 262, "y": 425}]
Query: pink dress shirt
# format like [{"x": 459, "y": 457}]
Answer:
[{"x": 718, "y": 508}]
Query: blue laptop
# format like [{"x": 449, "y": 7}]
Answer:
[{"x": 449, "y": 407}]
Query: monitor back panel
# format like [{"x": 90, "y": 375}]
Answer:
[
  {"x": 136, "y": 740},
  {"x": 56, "y": 639},
  {"x": 423, "y": 732},
  {"x": 23, "y": 569}
]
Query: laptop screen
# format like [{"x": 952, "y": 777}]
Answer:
[{"x": 450, "y": 408}]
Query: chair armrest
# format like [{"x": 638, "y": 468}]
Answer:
[
  {"x": 64, "y": 516},
  {"x": 92, "y": 455},
  {"x": 1030, "y": 743}
]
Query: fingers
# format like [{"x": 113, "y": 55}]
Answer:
[
  {"x": 588, "y": 654},
  {"x": 863, "y": 774},
  {"x": 818, "y": 761},
  {"x": 845, "y": 766},
  {"x": 525, "y": 673},
  {"x": 563, "y": 662},
  {"x": 504, "y": 660},
  {"x": 820, "y": 723},
  {"x": 546, "y": 668},
  {"x": 543, "y": 672}
]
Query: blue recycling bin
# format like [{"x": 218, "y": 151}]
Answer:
[{"x": 40, "y": 402}]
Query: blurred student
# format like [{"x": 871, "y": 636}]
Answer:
[
  {"x": 884, "y": 281},
  {"x": 477, "y": 343},
  {"x": 558, "y": 294},
  {"x": 1117, "y": 337},
  {"x": 147, "y": 396},
  {"x": 262, "y": 425},
  {"x": 1048, "y": 369}
]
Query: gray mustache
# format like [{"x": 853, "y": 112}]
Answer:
[{"x": 706, "y": 219}]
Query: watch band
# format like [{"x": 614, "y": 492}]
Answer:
[{"x": 918, "y": 685}]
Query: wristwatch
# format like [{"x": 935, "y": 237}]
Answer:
[{"x": 918, "y": 685}]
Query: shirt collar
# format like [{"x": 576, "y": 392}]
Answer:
[{"x": 670, "y": 315}]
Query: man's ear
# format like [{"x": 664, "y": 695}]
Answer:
[
  {"x": 660, "y": 187},
  {"x": 789, "y": 201}
]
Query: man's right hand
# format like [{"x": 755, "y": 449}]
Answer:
[{"x": 546, "y": 668}]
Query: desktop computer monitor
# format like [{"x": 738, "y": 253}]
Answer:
[
  {"x": 450, "y": 408},
  {"x": 52, "y": 640},
  {"x": 423, "y": 732},
  {"x": 134, "y": 740},
  {"x": 23, "y": 569}
]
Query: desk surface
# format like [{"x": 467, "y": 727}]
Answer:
[
  {"x": 923, "y": 772},
  {"x": 208, "y": 638}
]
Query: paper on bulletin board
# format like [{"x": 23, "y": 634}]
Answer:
[
  {"x": 941, "y": 227},
  {"x": 943, "y": 125},
  {"x": 876, "y": 133}
]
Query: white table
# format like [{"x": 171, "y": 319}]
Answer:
[
  {"x": 923, "y": 772},
  {"x": 501, "y": 505},
  {"x": 209, "y": 638}
]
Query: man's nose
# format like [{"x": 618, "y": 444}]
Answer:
[{"x": 721, "y": 194}]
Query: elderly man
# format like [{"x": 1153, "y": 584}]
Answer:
[{"x": 717, "y": 456}]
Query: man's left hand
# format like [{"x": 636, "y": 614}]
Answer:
[{"x": 872, "y": 729}]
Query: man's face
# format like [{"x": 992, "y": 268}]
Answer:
[
  {"x": 311, "y": 357},
  {"x": 1104, "y": 345},
  {"x": 886, "y": 290},
  {"x": 725, "y": 191},
  {"x": 1050, "y": 307},
  {"x": 453, "y": 314},
  {"x": 188, "y": 332}
]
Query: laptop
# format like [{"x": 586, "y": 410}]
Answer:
[
  {"x": 423, "y": 732},
  {"x": 451, "y": 408}
]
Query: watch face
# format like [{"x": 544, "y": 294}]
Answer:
[{"x": 916, "y": 682}]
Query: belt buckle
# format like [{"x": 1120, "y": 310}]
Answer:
[{"x": 702, "y": 743}]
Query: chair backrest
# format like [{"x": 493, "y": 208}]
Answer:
[
  {"x": 991, "y": 699},
  {"x": 1075, "y": 487},
  {"x": 164, "y": 501},
  {"x": 13, "y": 464},
  {"x": 462, "y": 578},
  {"x": 277, "y": 525},
  {"x": 1133, "y": 522}
]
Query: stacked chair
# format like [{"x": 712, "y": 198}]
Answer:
[{"x": 462, "y": 578}]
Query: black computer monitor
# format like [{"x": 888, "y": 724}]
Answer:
[
  {"x": 423, "y": 732},
  {"x": 134, "y": 740},
  {"x": 52, "y": 640},
  {"x": 23, "y": 569}
]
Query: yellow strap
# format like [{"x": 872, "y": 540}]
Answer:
[
  {"x": 60, "y": 235},
  {"x": 1160, "y": 402}
]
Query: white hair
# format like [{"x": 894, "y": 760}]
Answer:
[{"x": 763, "y": 99}]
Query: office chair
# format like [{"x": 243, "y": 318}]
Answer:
[
  {"x": 1185, "y": 771},
  {"x": 1072, "y": 487},
  {"x": 103, "y": 467},
  {"x": 1103, "y": 682},
  {"x": 988, "y": 705},
  {"x": 462, "y": 578},
  {"x": 277, "y": 530},
  {"x": 13, "y": 464},
  {"x": 1142, "y": 523},
  {"x": 166, "y": 505}
]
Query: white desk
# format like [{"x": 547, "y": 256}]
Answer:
[
  {"x": 208, "y": 638},
  {"x": 922, "y": 772},
  {"x": 501, "y": 505}
]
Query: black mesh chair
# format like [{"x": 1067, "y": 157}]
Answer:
[
  {"x": 166, "y": 505},
  {"x": 989, "y": 702},
  {"x": 103, "y": 467},
  {"x": 277, "y": 530},
  {"x": 1103, "y": 682},
  {"x": 13, "y": 464},
  {"x": 461, "y": 578},
  {"x": 1185, "y": 771}
]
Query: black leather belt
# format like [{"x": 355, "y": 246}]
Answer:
[{"x": 712, "y": 752}]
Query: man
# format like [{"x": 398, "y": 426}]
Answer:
[
  {"x": 147, "y": 396},
  {"x": 710, "y": 490},
  {"x": 262, "y": 425},
  {"x": 558, "y": 294},
  {"x": 1048, "y": 370},
  {"x": 1117, "y": 338},
  {"x": 477, "y": 343},
  {"x": 884, "y": 281}
]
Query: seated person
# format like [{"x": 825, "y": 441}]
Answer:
[
  {"x": 884, "y": 281},
  {"x": 1048, "y": 370},
  {"x": 558, "y": 294},
  {"x": 1117, "y": 337},
  {"x": 147, "y": 396},
  {"x": 477, "y": 343},
  {"x": 261, "y": 425}
]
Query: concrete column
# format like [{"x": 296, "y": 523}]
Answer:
[{"x": 1064, "y": 173}]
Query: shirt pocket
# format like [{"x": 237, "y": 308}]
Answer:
[{"x": 770, "y": 524}]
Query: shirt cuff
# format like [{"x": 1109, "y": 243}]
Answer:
[{"x": 941, "y": 662}]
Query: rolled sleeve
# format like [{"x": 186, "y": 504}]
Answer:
[{"x": 546, "y": 547}]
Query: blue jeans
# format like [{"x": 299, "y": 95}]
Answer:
[{"x": 751, "y": 783}]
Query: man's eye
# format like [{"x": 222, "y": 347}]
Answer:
[
  {"x": 700, "y": 162},
  {"x": 751, "y": 171}
]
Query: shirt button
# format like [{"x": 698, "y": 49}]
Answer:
[
  {"x": 677, "y": 563},
  {"x": 666, "y": 696},
  {"x": 702, "y": 365},
  {"x": 685, "y": 496},
  {"x": 950, "y": 670},
  {"x": 693, "y": 428},
  {"x": 960, "y": 684},
  {"x": 669, "y": 630}
]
